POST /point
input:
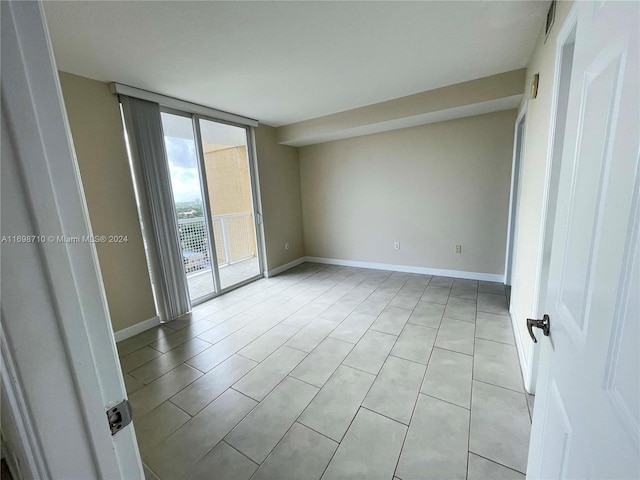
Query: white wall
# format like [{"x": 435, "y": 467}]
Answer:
[
  {"x": 535, "y": 162},
  {"x": 429, "y": 187}
]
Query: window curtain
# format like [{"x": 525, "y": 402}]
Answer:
[{"x": 151, "y": 169}]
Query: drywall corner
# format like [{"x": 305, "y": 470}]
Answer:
[
  {"x": 98, "y": 137},
  {"x": 279, "y": 173}
]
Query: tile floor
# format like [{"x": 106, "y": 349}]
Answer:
[
  {"x": 334, "y": 373},
  {"x": 201, "y": 282}
]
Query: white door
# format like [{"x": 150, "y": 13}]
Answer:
[
  {"x": 60, "y": 372},
  {"x": 586, "y": 422}
]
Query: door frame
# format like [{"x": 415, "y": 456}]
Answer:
[
  {"x": 545, "y": 237},
  {"x": 530, "y": 368},
  {"x": 516, "y": 184},
  {"x": 35, "y": 119},
  {"x": 206, "y": 209}
]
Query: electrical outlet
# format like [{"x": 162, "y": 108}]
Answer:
[
  {"x": 286, "y": 246},
  {"x": 458, "y": 248},
  {"x": 396, "y": 245}
]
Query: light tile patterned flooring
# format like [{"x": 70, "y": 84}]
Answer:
[
  {"x": 334, "y": 373},
  {"x": 201, "y": 283}
]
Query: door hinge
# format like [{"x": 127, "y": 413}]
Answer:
[
  {"x": 259, "y": 218},
  {"x": 119, "y": 416}
]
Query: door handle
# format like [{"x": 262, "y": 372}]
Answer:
[{"x": 544, "y": 324}]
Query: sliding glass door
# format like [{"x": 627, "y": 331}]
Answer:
[
  {"x": 227, "y": 173},
  {"x": 212, "y": 187}
]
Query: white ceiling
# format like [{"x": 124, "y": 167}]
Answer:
[
  {"x": 284, "y": 62},
  {"x": 177, "y": 126}
]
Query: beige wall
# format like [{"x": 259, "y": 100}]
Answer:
[
  {"x": 280, "y": 191},
  {"x": 94, "y": 116},
  {"x": 430, "y": 105},
  {"x": 429, "y": 187},
  {"x": 96, "y": 127},
  {"x": 229, "y": 185},
  {"x": 228, "y": 179}
]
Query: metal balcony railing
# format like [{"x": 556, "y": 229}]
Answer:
[{"x": 234, "y": 235}]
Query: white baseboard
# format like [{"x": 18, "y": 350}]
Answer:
[
  {"x": 489, "y": 277},
  {"x": 282, "y": 268},
  {"x": 136, "y": 329}
]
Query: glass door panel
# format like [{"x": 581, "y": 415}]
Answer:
[
  {"x": 189, "y": 204},
  {"x": 231, "y": 204}
]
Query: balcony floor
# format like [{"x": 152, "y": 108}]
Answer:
[{"x": 201, "y": 283}]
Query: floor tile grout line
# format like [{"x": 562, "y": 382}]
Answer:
[
  {"x": 262, "y": 336},
  {"x": 150, "y": 469},
  {"x": 445, "y": 401},
  {"x": 304, "y": 381},
  {"x": 408, "y": 359},
  {"x": 406, "y": 425},
  {"x": 184, "y": 328},
  {"x": 277, "y": 384},
  {"x": 285, "y": 344},
  {"x": 177, "y": 406},
  {"x": 213, "y": 399},
  {"x": 296, "y": 348},
  {"x": 500, "y": 386},
  {"x": 184, "y": 362},
  {"x": 158, "y": 357},
  {"x": 138, "y": 366},
  {"x": 360, "y": 370},
  {"x": 218, "y": 443},
  {"x": 245, "y": 456},
  {"x": 428, "y": 362},
  {"x": 295, "y": 420},
  {"x": 453, "y": 351},
  {"x": 166, "y": 373},
  {"x": 374, "y": 381},
  {"x": 189, "y": 366},
  {"x": 357, "y": 410},
  {"x": 338, "y": 442},
  {"x": 473, "y": 365},
  {"x": 458, "y": 319},
  {"x": 494, "y": 341},
  {"x": 274, "y": 447},
  {"x": 316, "y": 294},
  {"x": 413, "y": 410},
  {"x": 387, "y": 356},
  {"x": 248, "y": 324},
  {"x": 257, "y": 303},
  {"x": 498, "y": 463}
]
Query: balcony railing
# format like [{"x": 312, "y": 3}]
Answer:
[{"x": 234, "y": 239}]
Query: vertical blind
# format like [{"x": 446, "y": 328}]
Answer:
[{"x": 144, "y": 130}]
